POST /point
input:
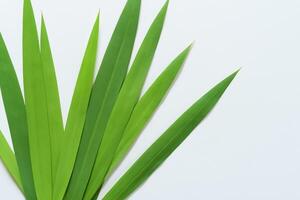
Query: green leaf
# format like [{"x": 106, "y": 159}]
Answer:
[
  {"x": 167, "y": 143},
  {"x": 146, "y": 107},
  {"x": 56, "y": 127},
  {"x": 36, "y": 106},
  {"x": 125, "y": 103},
  {"x": 109, "y": 80},
  {"x": 9, "y": 160},
  {"x": 77, "y": 114},
  {"x": 17, "y": 121}
]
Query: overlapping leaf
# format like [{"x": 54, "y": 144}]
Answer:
[
  {"x": 125, "y": 103},
  {"x": 146, "y": 107},
  {"x": 112, "y": 72},
  {"x": 77, "y": 114},
  {"x": 105, "y": 117},
  {"x": 16, "y": 116},
  {"x": 36, "y": 106},
  {"x": 56, "y": 128},
  {"x": 158, "y": 152}
]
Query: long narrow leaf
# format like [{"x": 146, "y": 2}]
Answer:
[
  {"x": 17, "y": 121},
  {"x": 9, "y": 160},
  {"x": 53, "y": 103},
  {"x": 147, "y": 105},
  {"x": 77, "y": 114},
  {"x": 36, "y": 106},
  {"x": 105, "y": 91},
  {"x": 167, "y": 143},
  {"x": 125, "y": 103}
]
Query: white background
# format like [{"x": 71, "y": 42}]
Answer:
[{"x": 249, "y": 147}]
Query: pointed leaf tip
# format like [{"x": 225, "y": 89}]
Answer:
[
  {"x": 166, "y": 5},
  {"x": 147, "y": 106},
  {"x": 233, "y": 75},
  {"x": 163, "y": 147},
  {"x": 77, "y": 114}
]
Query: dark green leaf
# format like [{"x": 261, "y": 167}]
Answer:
[
  {"x": 17, "y": 121},
  {"x": 112, "y": 72},
  {"x": 125, "y": 103}
]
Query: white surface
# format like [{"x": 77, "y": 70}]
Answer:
[{"x": 249, "y": 147}]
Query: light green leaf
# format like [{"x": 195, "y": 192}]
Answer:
[
  {"x": 112, "y": 72},
  {"x": 9, "y": 160},
  {"x": 53, "y": 103},
  {"x": 77, "y": 114},
  {"x": 17, "y": 121},
  {"x": 36, "y": 106},
  {"x": 167, "y": 143},
  {"x": 146, "y": 107},
  {"x": 125, "y": 103}
]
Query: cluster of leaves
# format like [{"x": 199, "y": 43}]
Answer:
[{"x": 51, "y": 161}]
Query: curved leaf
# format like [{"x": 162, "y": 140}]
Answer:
[{"x": 17, "y": 121}]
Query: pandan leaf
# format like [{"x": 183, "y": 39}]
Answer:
[
  {"x": 56, "y": 127},
  {"x": 9, "y": 160},
  {"x": 36, "y": 106},
  {"x": 105, "y": 117},
  {"x": 146, "y": 107},
  {"x": 77, "y": 114},
  {"x": 167, "y": 143},
  {"x": 125, "y": 103},
  {"x": 112, "y": 72},
  {"x": 17, "y": 121}
]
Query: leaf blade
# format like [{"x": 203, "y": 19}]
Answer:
[
  {"x": 147, "y": 105},
  {"x": 128, "y": 96},
  {"x": 53, "y": 102},
  {"x": 9, "y": 160},
  {"x": 162, "y": 148},
  {"x": 17, "y": 120},
  {"x": 77, "y": 114},
  {"x": 106, "y": 88},
  {"x": 36, "y": 106}
]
